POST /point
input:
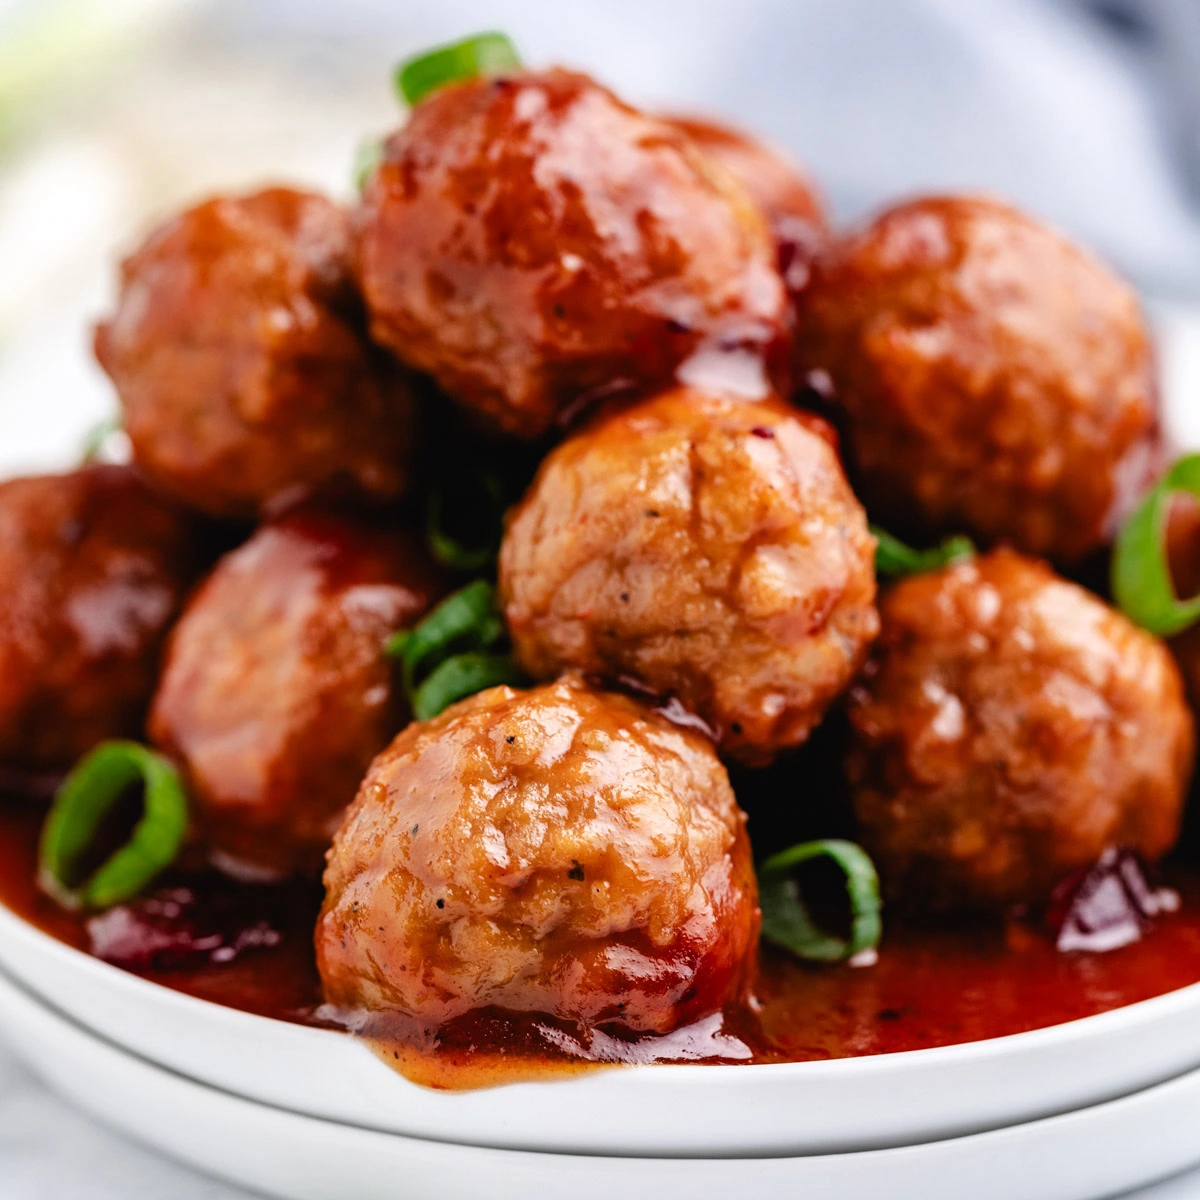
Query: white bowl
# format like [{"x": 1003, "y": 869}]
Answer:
[
  {"x": 795, "y": 1108},
  {"x": 1085, "y": 1154}
]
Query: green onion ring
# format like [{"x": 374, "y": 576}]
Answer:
[
  {"x": 1141, "y": 576},
  {"x": 785, "y": 918},
  {"x": 459, "y": 677},
  {"x": 483, "y": 54},
  {"x": 894, "y": 558},
  {"x": 80, "y": 804}
]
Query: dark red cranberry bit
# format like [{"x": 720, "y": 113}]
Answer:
[
  {"x": 188, "y": 926},
  {"x": 1111, "y": 904}
]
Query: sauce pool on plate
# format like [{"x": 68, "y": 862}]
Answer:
[{"x": 931, "y": 986}]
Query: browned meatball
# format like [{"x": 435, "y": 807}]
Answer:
[
  {"x": 531, "y": 240},
  {"x": 992, "y": 375},
  {"x": 707, "y": 549},
  {"x": 93, "y": 569},
  {"x": 238, "y": 357},
  {"x": 276, "y": 692},
  {"x": 1009, "y": 727},
  {"x": 560, "y": 851},
  {"x": 777, "y": 185}
]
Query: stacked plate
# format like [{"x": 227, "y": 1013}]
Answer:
[{"x": 1084, "y": 1109}]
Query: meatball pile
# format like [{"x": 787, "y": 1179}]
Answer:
[
  {"x": 992, "y": 377},
  {"x": 543, "y": 273},
  {"x": 560, "y": 850}
]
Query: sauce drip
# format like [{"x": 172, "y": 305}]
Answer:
[{"x": 934, "y": 985}]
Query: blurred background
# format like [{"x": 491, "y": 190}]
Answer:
[{"x": 112, "y": 112}]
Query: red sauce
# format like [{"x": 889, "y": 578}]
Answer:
[{"x": 932, "y": 986}]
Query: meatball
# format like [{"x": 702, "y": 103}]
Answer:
[
  {"x": 93, "y": 570},
  {"x": 706, "y": 549},
  {"x": 531, "y": 241},
  {"x": 991, "y": 375},
  {"x": 237, "y": 352},
  {"x": 276, "y": 693},
  {"x": 1008, "y": 728},
  {"x": 560, "y": 851},
  {"x": 777, "y": 185}
]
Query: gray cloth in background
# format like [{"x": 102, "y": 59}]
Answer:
[{"x": 1085, "y": 111}]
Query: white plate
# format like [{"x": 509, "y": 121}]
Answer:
[
  {"x": 800, "y": 1108},
  {"x": 1090, "y": 1153}
]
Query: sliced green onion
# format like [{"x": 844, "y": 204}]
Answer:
[
  {"x": 452, "y": 641},
  {"x": 785, "y": 918},
  {"x": 483, "y": 54},
  {"x": 449, "y": 551},
  {"x": 466, "y": 618},
  {"x": 1141, "y": 575},
  {"x": 894, "y": 558},
  {"x": 80, "y": 805},
  {"x": 95, "y": 438},
  {"x": 459, "y": 677},
  {"x": 367, "y": 157}
]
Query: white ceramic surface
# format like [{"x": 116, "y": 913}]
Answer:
[
  {"x": 1090, "y": 1153},
  {"x": 801, "y": 1108}
]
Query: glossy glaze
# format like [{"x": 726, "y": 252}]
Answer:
[
  {"x": 1008, "y": 727},
  {"x": 706, "y": 549},
  {"x": 560, "y": 851},
  {"x": 531, "y": 240},
  {"x": 275, "y": 693},
  {"x": 237, "y": 353},
  {"x": 93, "y": 569},
  {"x": 991, "y": 375}
]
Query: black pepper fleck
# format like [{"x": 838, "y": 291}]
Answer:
[{"x": 576, "y": 871}]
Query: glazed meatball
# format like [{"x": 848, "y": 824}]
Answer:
[
  {"x": 531, "y": 241},
  {"x": 777, "y": 185},
  {"x": 705, "y": 549},
  {"x": 93, "y": 570},
  {"x": 276, "y": 693},
  {"x": 991, "y": 376},
  {"x": 242, "y": 370},
  {"x": 560, "y": 851},
  {"x": 1008, "y": 728}
]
